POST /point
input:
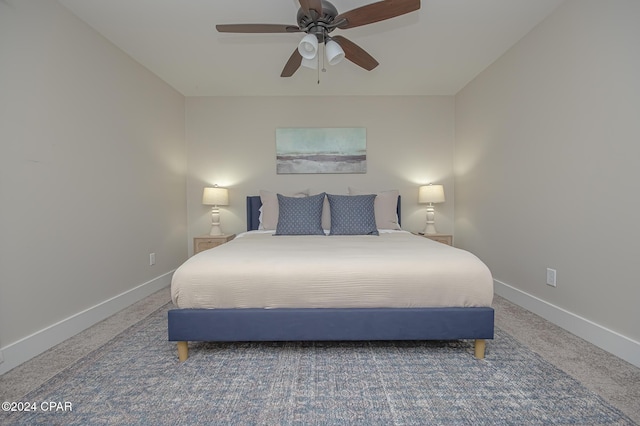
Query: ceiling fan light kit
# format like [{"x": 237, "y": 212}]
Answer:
[
  {"x": 334, "y": 52},
  {"x": 308, "y": 46},
  {"x": 318, "y": 18},
  {"x": 310, "y": 63}
]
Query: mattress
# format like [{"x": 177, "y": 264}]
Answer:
[{"x": 395, "y": 269}]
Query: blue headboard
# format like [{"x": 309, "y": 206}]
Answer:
[{"x": 253, "y": 212}]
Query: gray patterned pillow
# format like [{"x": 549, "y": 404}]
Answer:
[
  {"x": 269, "y": 209},
  {"x": 353, "y": 214},
  {"x": 385, "y": 207},
  {"x": 300, "y": 216}
]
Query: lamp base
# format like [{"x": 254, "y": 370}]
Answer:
[
  {"x": 215, "y": 231},
  {"x": 430, "y": 229},
  {"x": 215, "y": 222}
]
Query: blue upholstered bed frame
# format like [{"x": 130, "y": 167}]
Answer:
[{"x": 242, "y": 325}]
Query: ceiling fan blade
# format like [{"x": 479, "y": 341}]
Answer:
[
  {"x": 356, "y": 54},
  {"x": 376, "y": 12},
  {"x": 292, "y": 64},
  {"x": 257, "y": 28},
  {"x": 308, "y": 5}
]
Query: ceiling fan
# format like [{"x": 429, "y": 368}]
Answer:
[{"x": 318, "y": 18}]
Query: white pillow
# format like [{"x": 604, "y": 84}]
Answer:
[
  {"x": 385, "y": 206},
  {"x": 326, "y": 214},
  {"x": 269, "y": 211}
]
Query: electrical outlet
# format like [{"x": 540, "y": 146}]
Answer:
[
  {"x": 152, "y": 259},
  {"x": 551, "y": 277}
]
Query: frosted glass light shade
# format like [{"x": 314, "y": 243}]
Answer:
[
  {"x": 215, "y": 196},
  {"x": 334, "y": 52},
  {"x": 431, "y": 194},
  {"x": 310, "y": 63},
  {"x": 308, "y": 46}
]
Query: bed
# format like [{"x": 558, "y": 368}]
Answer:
[{"x": 214, "y": 303}]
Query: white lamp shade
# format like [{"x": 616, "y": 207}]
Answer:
[
  {"x": 308, "y": 46},
  {"x": 431, "y": 194},
  {"x": 310, "y": 63},
  {"x": 334, "y": 52},
  {"x": 215, "y": 196}
]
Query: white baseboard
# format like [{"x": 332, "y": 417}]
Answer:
[
  {"x": 609, "y": 340},
  {"x": 38, "y": 342}
]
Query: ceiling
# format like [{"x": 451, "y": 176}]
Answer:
[{"x": 434, "y": 51}]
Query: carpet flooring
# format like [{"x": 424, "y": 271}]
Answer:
[{"x": 135, "y": 378}]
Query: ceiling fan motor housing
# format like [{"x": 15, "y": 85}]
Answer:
[{"x": 318, "y": 25}]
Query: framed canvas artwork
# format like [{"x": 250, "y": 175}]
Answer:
[{"x": 321, "y": 150}]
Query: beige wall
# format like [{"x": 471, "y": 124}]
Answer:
[
  {"x": 547, "y": 150},
  {"x": 93, "y": 162},
  {"x": 231, "y": 142},
  {"x": 92, "y": 170}
]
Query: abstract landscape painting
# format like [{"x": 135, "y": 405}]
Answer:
[{"x": 321, "y": 150}]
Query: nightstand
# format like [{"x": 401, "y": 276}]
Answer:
[
  {"x": 441, "y": 238},
  {"x": 206, "y": 242}
]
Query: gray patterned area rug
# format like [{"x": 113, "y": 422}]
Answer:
[{"x": 137, "y": 379}]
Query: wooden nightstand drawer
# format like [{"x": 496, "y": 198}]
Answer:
[
  {"x": 207, "y": 242},
  {"x": 441, "y": 238}
]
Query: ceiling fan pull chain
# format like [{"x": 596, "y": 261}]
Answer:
[{"x": 324, "y": 51}]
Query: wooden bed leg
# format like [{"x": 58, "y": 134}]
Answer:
[
  {"x": 479, "y": 346},
  {"x": 183, "y": 351}
]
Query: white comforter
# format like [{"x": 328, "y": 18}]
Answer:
[{"x": 395, "y": 269}]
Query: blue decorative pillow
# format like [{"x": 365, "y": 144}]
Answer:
[
  {"x": 300, "y": 216},
  {"x": 353, "y": 214}
]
